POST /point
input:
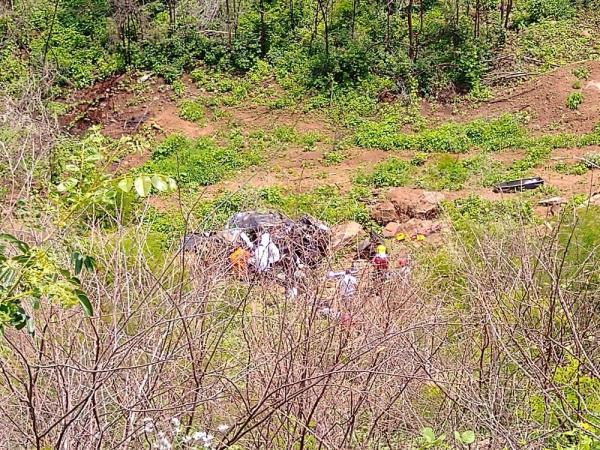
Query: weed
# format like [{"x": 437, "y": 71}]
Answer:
[
  {"x": 574, "y": 100},
  {"x": 286, "y": 134},
  {"x": 576, "y": 84},
  {"x": 419, "y": 159},
  {"x": 178, "y": 88},
  {"x": 581, "y": 73},
  {"x": 489, "y": 135},
  {"x": 592, "y": 160},
  {"x": 200, "y": 161},
  {"x": 392, "y": 172},
  {"x": 333, "y": 157},
  {"x": 449, "y": 173},
  {"x": 475, "y": 211},
  {"x": 191, "y": 110},
  {"x": 571, "y": 169}
]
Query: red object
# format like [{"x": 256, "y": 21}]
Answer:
[
  {"x": 381, "y": 262},
  {"x": 402, "y": 262}
]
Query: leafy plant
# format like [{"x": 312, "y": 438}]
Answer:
[
  {"x": 429, "y": 439},
  {"x": 200, "y": 160},
  {"x": 581, "y": 73},
  {"x": 33, "y": 274},
  {"x": 333, "y": 157},
  {"x": 574, "y": 100},
  {"x": 465, "y": 438},
  {"x": 191, "y": 110},
  {"x": 448, "y": 173},
  {"x": 178, "y": 88},
  {"x": 419, "y": 159},
  {"x": 392, "y": 172}
]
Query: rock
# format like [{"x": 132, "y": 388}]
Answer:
[
  {"x": 414, "y": 203},
  {"x": 345, "y": 234},
  {"x": 144, "y": 78},
  {"x": 429, "y": 206},
  {"x": 391, "y": 229},
  {"x": 383, "y": 212},
  {"x": 552, "y": 201},
  {"x": 415, "y": 227},
  {"x": 594, "y": 200}
]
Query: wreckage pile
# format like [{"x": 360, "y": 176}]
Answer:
[{"x": 255, "y": 242}]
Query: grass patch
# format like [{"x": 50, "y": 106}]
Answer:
[
  {"x": 191, "y": 110},
  {"x": 476, "y": 211},
  {"x": 200, "y": 161},
  {"x": 489, "y": 135},
  {"x": 448, "y": 173},
  {"x": 334, "y": 157},
  {"x": 392, "y": 172}
]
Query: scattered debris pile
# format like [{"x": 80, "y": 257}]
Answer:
[{"x": 259, "y": 241}]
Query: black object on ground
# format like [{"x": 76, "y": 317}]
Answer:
[{"x": 519, "y": 185}]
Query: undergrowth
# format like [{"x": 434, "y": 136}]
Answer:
[{"x": 201, "y": 161}]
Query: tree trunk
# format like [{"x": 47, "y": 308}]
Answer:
[
  {"x": 411, "y": 31},
  {"x": 509, "y": 7}
]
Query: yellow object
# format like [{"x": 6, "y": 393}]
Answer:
[
  {"x": 381, "y": 250},
  {"x": 400, "y": 237},
  {"x": 420, "y": 237}
]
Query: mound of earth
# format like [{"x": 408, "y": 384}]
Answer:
[{"x": 544, "y": 98}]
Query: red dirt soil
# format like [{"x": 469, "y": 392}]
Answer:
[{"x": 544, "y": 98}]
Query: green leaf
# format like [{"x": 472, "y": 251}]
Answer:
[
  {"x": 428, "y": 434},
  {"x": 85, "y": 302},
  {"x": 160, "y": 183},
  {"x": 7, "y": 275},
  {"x": 13, "y": 240},
  {"x": 143, "y": 185},
  {"x": 90, "y": 263},
  {"x": 72, "y": 168},
  {"x": 77, "y": 260},
  {"x": 468, "y": 437},
  {"x": 67, "y": 185},
  {"x": 94, "y": 157},
  {"x": 125, "y": 184}
]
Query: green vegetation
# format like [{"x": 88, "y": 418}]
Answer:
[
  {"x": 476, "y": 212},
  {"x": 200, "y": 161},
  {"x": 392, "y": 172},
  {"x": 115, "y": 260},
  {"x": 192, "y": 110},
  {"x": 574, "y": 100},
  {"x": 490, "y": 135}
]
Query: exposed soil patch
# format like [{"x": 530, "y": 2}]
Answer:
[
  {"x": 544, "y": 98},
  {"x": 124, "y": 104}
]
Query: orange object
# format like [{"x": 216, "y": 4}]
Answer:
[{"x": 239, "y": 260}]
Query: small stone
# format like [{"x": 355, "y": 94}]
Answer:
[
  {"x": 345, "y": 234},
  {"x": 391, "y": 229}
]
